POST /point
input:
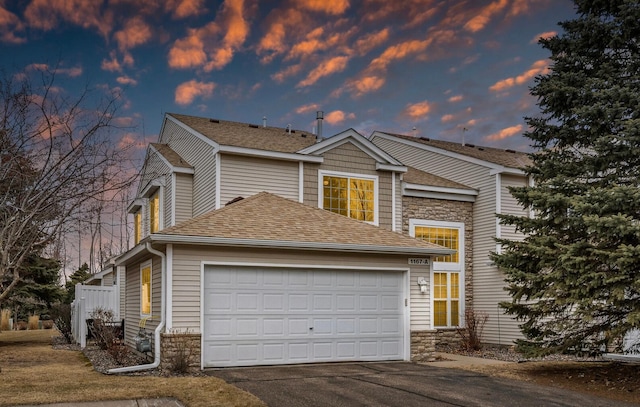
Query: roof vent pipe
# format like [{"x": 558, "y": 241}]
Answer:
[
  {"x": 319, "y": 117},
  {"x": 264, "y": 121},
  {"x": 288, "y": 128}
]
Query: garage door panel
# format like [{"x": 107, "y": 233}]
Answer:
[{"x": 275, "y": 316}]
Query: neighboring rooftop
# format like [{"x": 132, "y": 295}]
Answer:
[
  {"x": 268, "y": 217},
  {"x": 415, "y": 176},
  {"x": 171, "y": 156},
  {"x": 248, "y": 135},
  {"x": 507, "y": 158}
]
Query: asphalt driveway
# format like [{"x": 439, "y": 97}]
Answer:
[{"x": 394, "y": 384}]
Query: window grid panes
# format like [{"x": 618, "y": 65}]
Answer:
[
  {"x": 154, "y": 214},
  {"x": 446, "y": 299},
  {"x": 145, "y": 285},
  {"x": 137, "y": 229},
  {"x": 352, "y": 197},
  {"x": 447, "y": 237}
]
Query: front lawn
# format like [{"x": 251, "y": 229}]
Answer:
[{"x": 34, "y": 373}]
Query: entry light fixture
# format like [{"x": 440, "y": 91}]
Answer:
[{"x": 422, "y": 283}]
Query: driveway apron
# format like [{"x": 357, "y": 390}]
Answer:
[{"x": 401, "y": 384}]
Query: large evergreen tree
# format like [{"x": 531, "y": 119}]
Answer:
[{"x": 575, "y": 278}]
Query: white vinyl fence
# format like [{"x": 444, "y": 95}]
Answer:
[{"x": 88, "y": 299}]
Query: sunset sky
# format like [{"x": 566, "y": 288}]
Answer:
[{"x": 451, "y": 69}]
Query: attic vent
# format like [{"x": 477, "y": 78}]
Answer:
[
  {"x": 234, "y": 200},
  {"x": 470, "y": 145},
  {"x": 510, "y": 151},
  {"x": 214, "y": 120},
  {"x": 293, "y": 131},
  {"x": 253, "y": 126},
  {"x": 425, "y": 138},
  {"x": 480, "y": 148}
]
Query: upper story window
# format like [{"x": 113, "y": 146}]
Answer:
[
  {"x": 350, "y": 195},
  {"x": 137, "y": 227},
  {"x": 154, "y": 213}
]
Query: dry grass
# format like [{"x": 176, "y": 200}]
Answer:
[
  {"x": 34, "y": 373},
  {"x": 33, "y": 322},
  {"x": 5, "y": 316},
  {"x": 616, "y": 381}
]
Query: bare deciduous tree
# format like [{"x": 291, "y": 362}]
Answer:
[{"x": 58, "y": 159}]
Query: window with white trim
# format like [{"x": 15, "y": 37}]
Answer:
[
  {"x": 137, "y": 226},
  {"x": 351, "y": 195},
  {"x": 154, "y": 212},
  {"x": 447, "y": 271},
  {"x": 146, "y": 299}
]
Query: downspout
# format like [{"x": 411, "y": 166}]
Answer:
[{"x": 160, "y": 327}]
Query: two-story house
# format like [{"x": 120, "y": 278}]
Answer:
[
  {"x": 270, "y": 246},
  {"x": 490, "y": 172}
]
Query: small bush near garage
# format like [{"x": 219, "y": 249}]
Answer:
[
  {"x": 471, "y": 333},
  {"x": 105, "y": 331},
  {"x": 181, "y": 350}
]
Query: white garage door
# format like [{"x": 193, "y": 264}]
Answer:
[{"x": 265, "y": 316}]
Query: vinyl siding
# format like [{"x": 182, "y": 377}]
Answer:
[
  {"x": 201, "y": 156},
  {"x": 509, "y": 205},
  {"x": 348, "y": 158},
  {"x": 420, "y": 302},
  {"x": 107, "y": 280},
  {"x": 156, "y": 169},
  {"x": 246, "y": 176},
  {"x": 184, "y": 202},
  {"x": 488, "y": 281},
  {"x": 187, "y": 268},
  {"x": 132, "y": 300}
]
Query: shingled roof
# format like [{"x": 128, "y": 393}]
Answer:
[
  {"x": 506, "y": 158},
  {"x": 248, "y": 135},
  {"x": 415, "y": 176},
  {"x": 171, "y": 156},
  {"x": 271, "y": 219}
]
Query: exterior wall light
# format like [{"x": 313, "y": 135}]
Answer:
[{"x": 422, "y": 283}]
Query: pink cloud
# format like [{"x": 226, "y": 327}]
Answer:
[
  {"x": 187, "y": 53},
  {"x": 204, "y": 48},
  {"x": 447, "y": 118},
  {"x": 482, "y": 18},
  {"x": 135, "y": 32},
  {"x": 47, "y": 15},
  {"x": 125, "y": 80},
  {"x": 418, "y": 110},
  {"x": 10, "y": 25},
  {"x": 366, "y": 84},
  {"x": 112, "y": 64},
  {"x": 326, "y": 68},
  {"x": 283, "y": 74},
  {"x": 71, "y": 72},
  {"x": 545, "y": 35},
  {"x": 311, "y": 107},
  {"x": 279, "y": 23},
  {"x": 370, "y": 41},
  {"x": 332, "y": 7},
  {"x": 185, "y": 8},
  {"x": 505, "y": 133},
  {"x": 186, "y": 92},
  {"x": 539, "y": 67},
  {"x": 455, "y": 99},
  {"x": 338, "y": 116}
]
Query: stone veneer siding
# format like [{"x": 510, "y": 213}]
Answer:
[
  {"x": 172, "y": 344},
  {"x": 423, "y": 345},
  {"x": 449, "y": 211}
]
